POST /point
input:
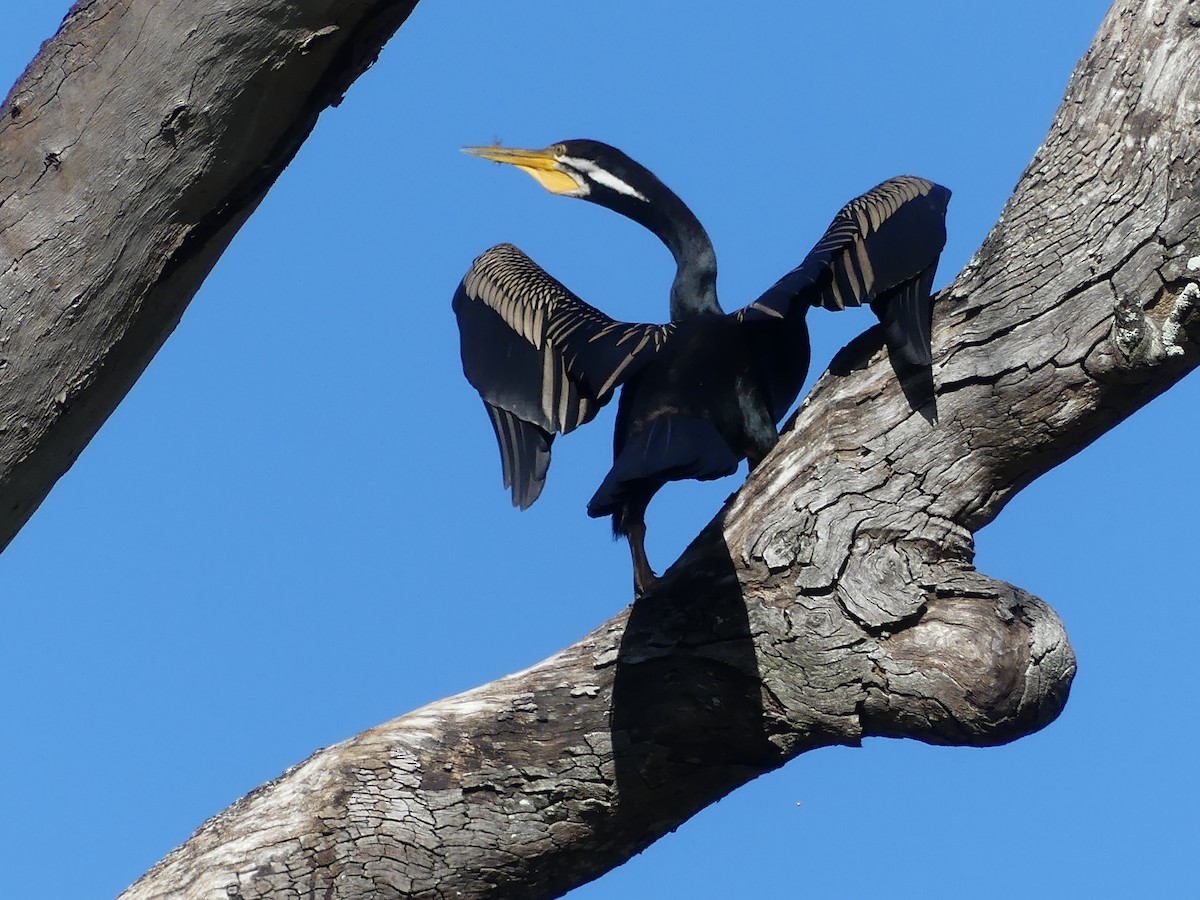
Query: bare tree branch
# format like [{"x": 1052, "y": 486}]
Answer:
[
  {"x": 131, "y": 151},
  {"x": 834, "y": 597}
]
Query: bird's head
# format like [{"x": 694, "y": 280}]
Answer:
[
  {"x": 589, "y": 170},
  {"x": 596, "y": 172}
]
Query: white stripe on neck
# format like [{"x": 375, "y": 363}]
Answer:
[{"x": 604, "y": 177}]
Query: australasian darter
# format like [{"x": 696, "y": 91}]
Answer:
[{"x": 706, "y": 390}]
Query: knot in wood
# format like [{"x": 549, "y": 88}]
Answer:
[
  {"x": 878, "y": 587},
  {"x": 175, "y": 123},
  {"x": 1129, "y": 330}
]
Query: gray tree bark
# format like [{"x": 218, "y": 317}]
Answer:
[
  {"x": 122, "y": 180},
  {"x": 833, "y": 598}
]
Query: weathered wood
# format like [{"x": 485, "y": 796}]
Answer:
[
  {"x": 833, "y": 599},
  {"x": 131, "y": 150}
]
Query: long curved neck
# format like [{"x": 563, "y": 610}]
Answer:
[{"x": 694, "y": 290}]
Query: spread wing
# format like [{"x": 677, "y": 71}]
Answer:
[
  {"x": 543, "y": 360},
  {"x": 882, "y": 248}
]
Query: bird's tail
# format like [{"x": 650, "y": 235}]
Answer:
[
  {"x": 668, "y": 448},
  {"x": 906, "y": 313}
]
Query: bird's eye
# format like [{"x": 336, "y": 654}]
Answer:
[{"x": 560, "y": 149}]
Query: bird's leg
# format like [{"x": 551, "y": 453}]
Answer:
[{"x": 643, "y": 575}]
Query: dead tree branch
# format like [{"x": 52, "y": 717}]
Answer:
[
  {"x": 834, "y": 597},
  {"x": 122, "y": 180}
]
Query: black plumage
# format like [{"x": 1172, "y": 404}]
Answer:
[{"x": 706, "y": 390}]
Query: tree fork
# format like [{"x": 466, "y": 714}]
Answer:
[{"x": 833, "y": 598}]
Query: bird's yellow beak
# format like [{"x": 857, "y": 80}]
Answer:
[{"x": 541, "y": 164}]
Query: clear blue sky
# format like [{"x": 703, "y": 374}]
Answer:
[{"x": 294, "y": 528}]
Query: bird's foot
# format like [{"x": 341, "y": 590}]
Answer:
[{"x": 643, "y": 581}]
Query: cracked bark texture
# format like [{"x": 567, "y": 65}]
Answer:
[
  {"x": 122, "y": 180},
  {"x": 833, "y": 598}
]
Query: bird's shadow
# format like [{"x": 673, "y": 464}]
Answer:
[
  {"x": 915, "y": 380},
  {"x": 687, "y": 708},
  {"x": 687, "y": 712}
]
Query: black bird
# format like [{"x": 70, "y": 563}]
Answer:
[{"x": 704, "y": 391}]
